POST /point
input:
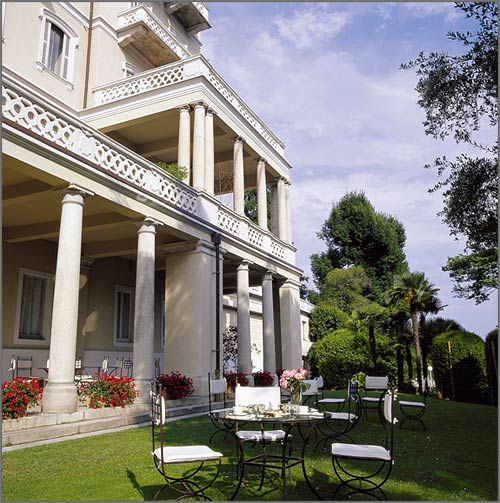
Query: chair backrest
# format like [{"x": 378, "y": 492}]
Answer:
[
  {"x": 127, "y": 366},
  {"x": 320, "y": 382},
  {"x": 12, "y": 367},
  {"x": 24, "y": 366},
  {"x": 105, "y": 364},
  {"x": 313, "y": 387},
  {"x": 216, "y": 386},
  {"x": 391, "y": 420},
  {"x": 353, "y": 399},
  {"x": 372, "y": 382},
  {"x": 247, "y": 395}
]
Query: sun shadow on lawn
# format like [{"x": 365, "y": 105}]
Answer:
[{"x": 146, "y": 492}]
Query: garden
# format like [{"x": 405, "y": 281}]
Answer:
[{"x": 454, "y": 460}]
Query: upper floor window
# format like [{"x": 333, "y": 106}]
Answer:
[
  {"x": 57, "y": 47},
  {"x": 34, "y": 306}
]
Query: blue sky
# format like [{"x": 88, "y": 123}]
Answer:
[{"x": 325, "y": 77}]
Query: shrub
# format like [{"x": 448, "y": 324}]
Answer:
[
  {"x": 325, "y": 318},
  {"x": 108, "y": 391},
  {"x": 339, "y": 355},
  {"x": 360, "y": 378},
  {"x": 176, "y": 385},
  {"x": 468, "y": 366},
  {"x": 174, "y": 169},
  {"x": 263, "y": 378},
  {"x": 18, "y": 395},
  {"x": 233, "y": 377}
]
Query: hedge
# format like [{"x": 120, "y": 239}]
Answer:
[{"x": 491, "y": 353}]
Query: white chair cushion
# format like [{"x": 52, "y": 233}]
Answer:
[
  {"x": 227, "y": 409},
  {"x": 370, "y": 399},
  {"x": 256, "y": 436},
  {"x": 411, "y": 404},
  {"x": 247, "y": 395},
  {"x": 360, "y": 451},
  {"x": 218, "y": 385},
  {"x": 372, "y": 382},
  {"x": 331, "y": 400},
  {"x": 341, "y": 416},
  {"x": 186, "y": 454}
]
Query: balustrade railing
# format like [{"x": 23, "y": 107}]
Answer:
[
  {"x": 180, "y": 71},
  {"x": 42, "y": 119}
]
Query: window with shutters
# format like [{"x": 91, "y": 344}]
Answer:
[
  {"x": 124, "y": 315},
  {"x": 57, "y": 47},
  {"x": 34, "y": 304}
]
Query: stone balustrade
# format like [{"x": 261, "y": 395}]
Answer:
[
  {"x": 26, "y": 112},
  {"x": 182, "y": 71}
]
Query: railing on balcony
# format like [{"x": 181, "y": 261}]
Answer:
[
  {"x": 31, "y": 113},
  {"x": 141, "y": 13},
  {"x": 181, "y": 71}
]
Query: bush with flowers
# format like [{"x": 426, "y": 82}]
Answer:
[
  {"x": 236, "y": 377},
  {"x": 108, "y": 391},
  {"x": 294, "y": 379},
  {"x": 176, "y": 385},
  {"x": 263, "y": 378},
  {"x": 18, "y": 395}
]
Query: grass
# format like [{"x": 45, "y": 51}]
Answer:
[{"x": 455, "y": 460}]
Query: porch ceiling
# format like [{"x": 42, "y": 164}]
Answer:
[{"x": 32, "y": 209}]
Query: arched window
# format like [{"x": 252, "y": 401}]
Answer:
[{"x": 57, "y": 46}]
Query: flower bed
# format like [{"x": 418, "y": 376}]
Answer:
[
  {"x": 176, "y": 385},
  {"x": 108, "y": 391},
  {"x": 263, "y": 378},
  {"x": 18, "y": 395},
  {"x": 236, "y": 377}
]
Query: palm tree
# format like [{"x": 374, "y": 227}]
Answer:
[{"x": 415, "y": 292}]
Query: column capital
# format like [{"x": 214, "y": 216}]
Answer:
[
  {"x": 147, "y": 224},
  {"x": 199, "y": 104},
  {"x": 262, "y": 160},
  {"x": 211, "y": 111},
  {"x": 73, "y": 188},
  {"x": 239, "y": 139},
  {"x": 268, "y": 276},
  {"x": 184, "y": 108},
  {"x": 244, "y": 265}
]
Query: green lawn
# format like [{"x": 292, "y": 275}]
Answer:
[{"x": 456, "y": 459}]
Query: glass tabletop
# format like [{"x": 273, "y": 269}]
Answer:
[{"x": 272, "y": 417}]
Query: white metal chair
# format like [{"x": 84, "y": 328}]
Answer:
[
  {"x": 192, "y": 458},
  {"x": 24, "y": 367},
  {"x": 218, "y": 387},
  {"x": 374, "y": 403},
  {"x": 311, "y": 392},
  {"x": 413, "y": 410},
  {"x": 340, "y": 424},
  {"x": 345, "y": 457},
  {"x": 81, "y": 375}
]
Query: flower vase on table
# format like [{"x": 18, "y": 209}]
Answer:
[
  {"x": 295, "y": 399},
  {"x": 294, "y": 379}
]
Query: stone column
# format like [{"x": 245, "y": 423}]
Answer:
[
  {"x": 209, "y": 151},
  {"x": 184, "y": 141},
  {"x": 85, "y": 266},
  {"x": 199, "y": 146},
  {"x": 144, "y": 311},
  {"x": 261, "y": 194},
  {"x": 288, "y": 212},
  {"x": 60, "y": 392},
  {"x": 238, "y": 177},
  {"x": 244, "y": 341},
  {"x": 282, "y": 220},
  {"x": 291, "y": 340},
  {"x": 190, "y": 311},
  {"x": 268, "y": 323}
]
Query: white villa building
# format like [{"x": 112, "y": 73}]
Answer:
[{"x": 104, "y": 252}]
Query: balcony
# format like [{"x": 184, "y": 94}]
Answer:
[
  {"x": 160, "y": 79},
  {"x": 141, "y": 29},
  {"x": 193, "y": 16},
  {"x": 24, "y": 113}
]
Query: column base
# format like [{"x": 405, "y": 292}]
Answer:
[{"x": 59, "y": 397}]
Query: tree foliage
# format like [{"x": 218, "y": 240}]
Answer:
[
  {"x": 174, "y": 169},
  {"x": 326, "y": 318},
  {"x": 491, "y": 353},
  {"x": 459, "y": 94},
  {"x": 356, "y": 234},
  {"x": 465, "y": 363}
]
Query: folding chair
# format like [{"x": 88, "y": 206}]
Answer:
[
  {"x": 380, "y": 458},
  {"x": 414, "y": 410},
  {"x": 81, "y": 375},
  {"x": 127, "y": 367},
  {"x": 311, "y": 392},
  {"x": 24, "y": 367},
  {"x": 339, "y": 424},
  {"x": 373, "y": 403},
  {"x": 191, "y": 458},
  {"x": 321, "y": 384},
  {"x": 216, "y": 387}
]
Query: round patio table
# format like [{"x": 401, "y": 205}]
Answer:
[{"x": 281, "y": 462}]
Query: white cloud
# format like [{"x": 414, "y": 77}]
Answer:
[
  {"x": 425, "y": 9},
  {"x": 312, "y": 26}
]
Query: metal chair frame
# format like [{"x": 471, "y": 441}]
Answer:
[
  {"x": 374, "y": 383},
  {"x": 349, "y": 419},
  {"x": 363, "y": 484},
  {"x": 220, "y": 426},
  {"x": 414, "y": 410},
  {"x": 184, "y": 484}
]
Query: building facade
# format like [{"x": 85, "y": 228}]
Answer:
[{"x": 104, "y": 252}]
